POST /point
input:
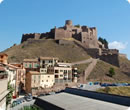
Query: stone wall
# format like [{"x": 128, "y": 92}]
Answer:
[
  {"x": 61, "y": 34},
  {"x": 64, "y": 42},
  {"x": 111, "y": 58},
  {"x": 25, "y": 37}
]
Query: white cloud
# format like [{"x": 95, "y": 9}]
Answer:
[
  {"x": 1, "y": 1},
  {"x": 128, "y": 1},
  {"x": 117, "y": 45}
]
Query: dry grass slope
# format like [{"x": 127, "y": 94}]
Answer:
[
  {"x": 46, "y": 47},
  {"x": 102, "y": 69}
]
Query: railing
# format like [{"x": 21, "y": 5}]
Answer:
[{"x": 63, "y": 81}]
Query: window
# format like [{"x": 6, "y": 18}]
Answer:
[
  {"x": 69, "y": 71},
  {"x": 26, "y": 65},
  {"x": 65, "y": 71},
  {"x": 34, "y": 77},
  {"x": 30, "y": 65},
  {"x": 50, "y": 61},
  {"x": 61, "y": 75},
  {"x": 48, "y": 76},
  {"x": 61, "y": 70},
  {"x": 46, "y": 80},
  {"x": 36, "y": 65},
  {"x": 56, "y": 76},
  {"x": 43, "y": 61},
  {"x": 42, "y": 80},
  {"x": 56, "y": 71}
]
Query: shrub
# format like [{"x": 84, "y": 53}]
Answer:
[{"x": 111, "y": 72}]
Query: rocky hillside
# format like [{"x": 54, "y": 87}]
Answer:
[{"x": 46, "y": 47}]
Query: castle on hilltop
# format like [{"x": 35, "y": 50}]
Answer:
[{"x": 86, "y": 37}]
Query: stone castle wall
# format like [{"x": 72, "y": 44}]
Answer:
[{"x": 88, "y": 36}]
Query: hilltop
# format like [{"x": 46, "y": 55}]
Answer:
[{"x": 46, "y": 47}]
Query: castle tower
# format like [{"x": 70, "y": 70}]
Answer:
[{"x": 68, "y": 22}]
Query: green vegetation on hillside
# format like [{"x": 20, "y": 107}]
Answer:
[
  {"x": 111, "y": 72},
  {"x": 123, "y": 91},
  {"x": 103, "y": 41},
  {"x": 46, "y": 48}
]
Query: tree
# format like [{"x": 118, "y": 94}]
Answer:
[
  {"x": 103, "y": 41},
  {"x": 111, "y": 72},
  {"x": 10, "y": 94}
]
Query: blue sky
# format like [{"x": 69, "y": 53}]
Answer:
[{"x": 111, "y": 17}]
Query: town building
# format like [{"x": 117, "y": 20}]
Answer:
[
  {"x": 33, "y": 79},
  {"x": 3, "y": 87},
  {"x": 20, "y": 78},
  {"x": 36, "y": 80},
  {"x": 47, "y": 80},
  {"x": 31, "y": 64},
  {"x": 62, "y": 72},
  {"x": 11, "y": 71},
  {"x": 3, "y": 58},
  {"x": 46, "y": 62},
  {"x": 16, "y": 77}
]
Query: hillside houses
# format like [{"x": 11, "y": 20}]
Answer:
[{"x": 45, "y": 72}]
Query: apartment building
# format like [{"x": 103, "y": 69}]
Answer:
[
  {"x": 3, "y": 87},
  {"x": 62, "y": 72},
  {"x": 3, "y": 58}
]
